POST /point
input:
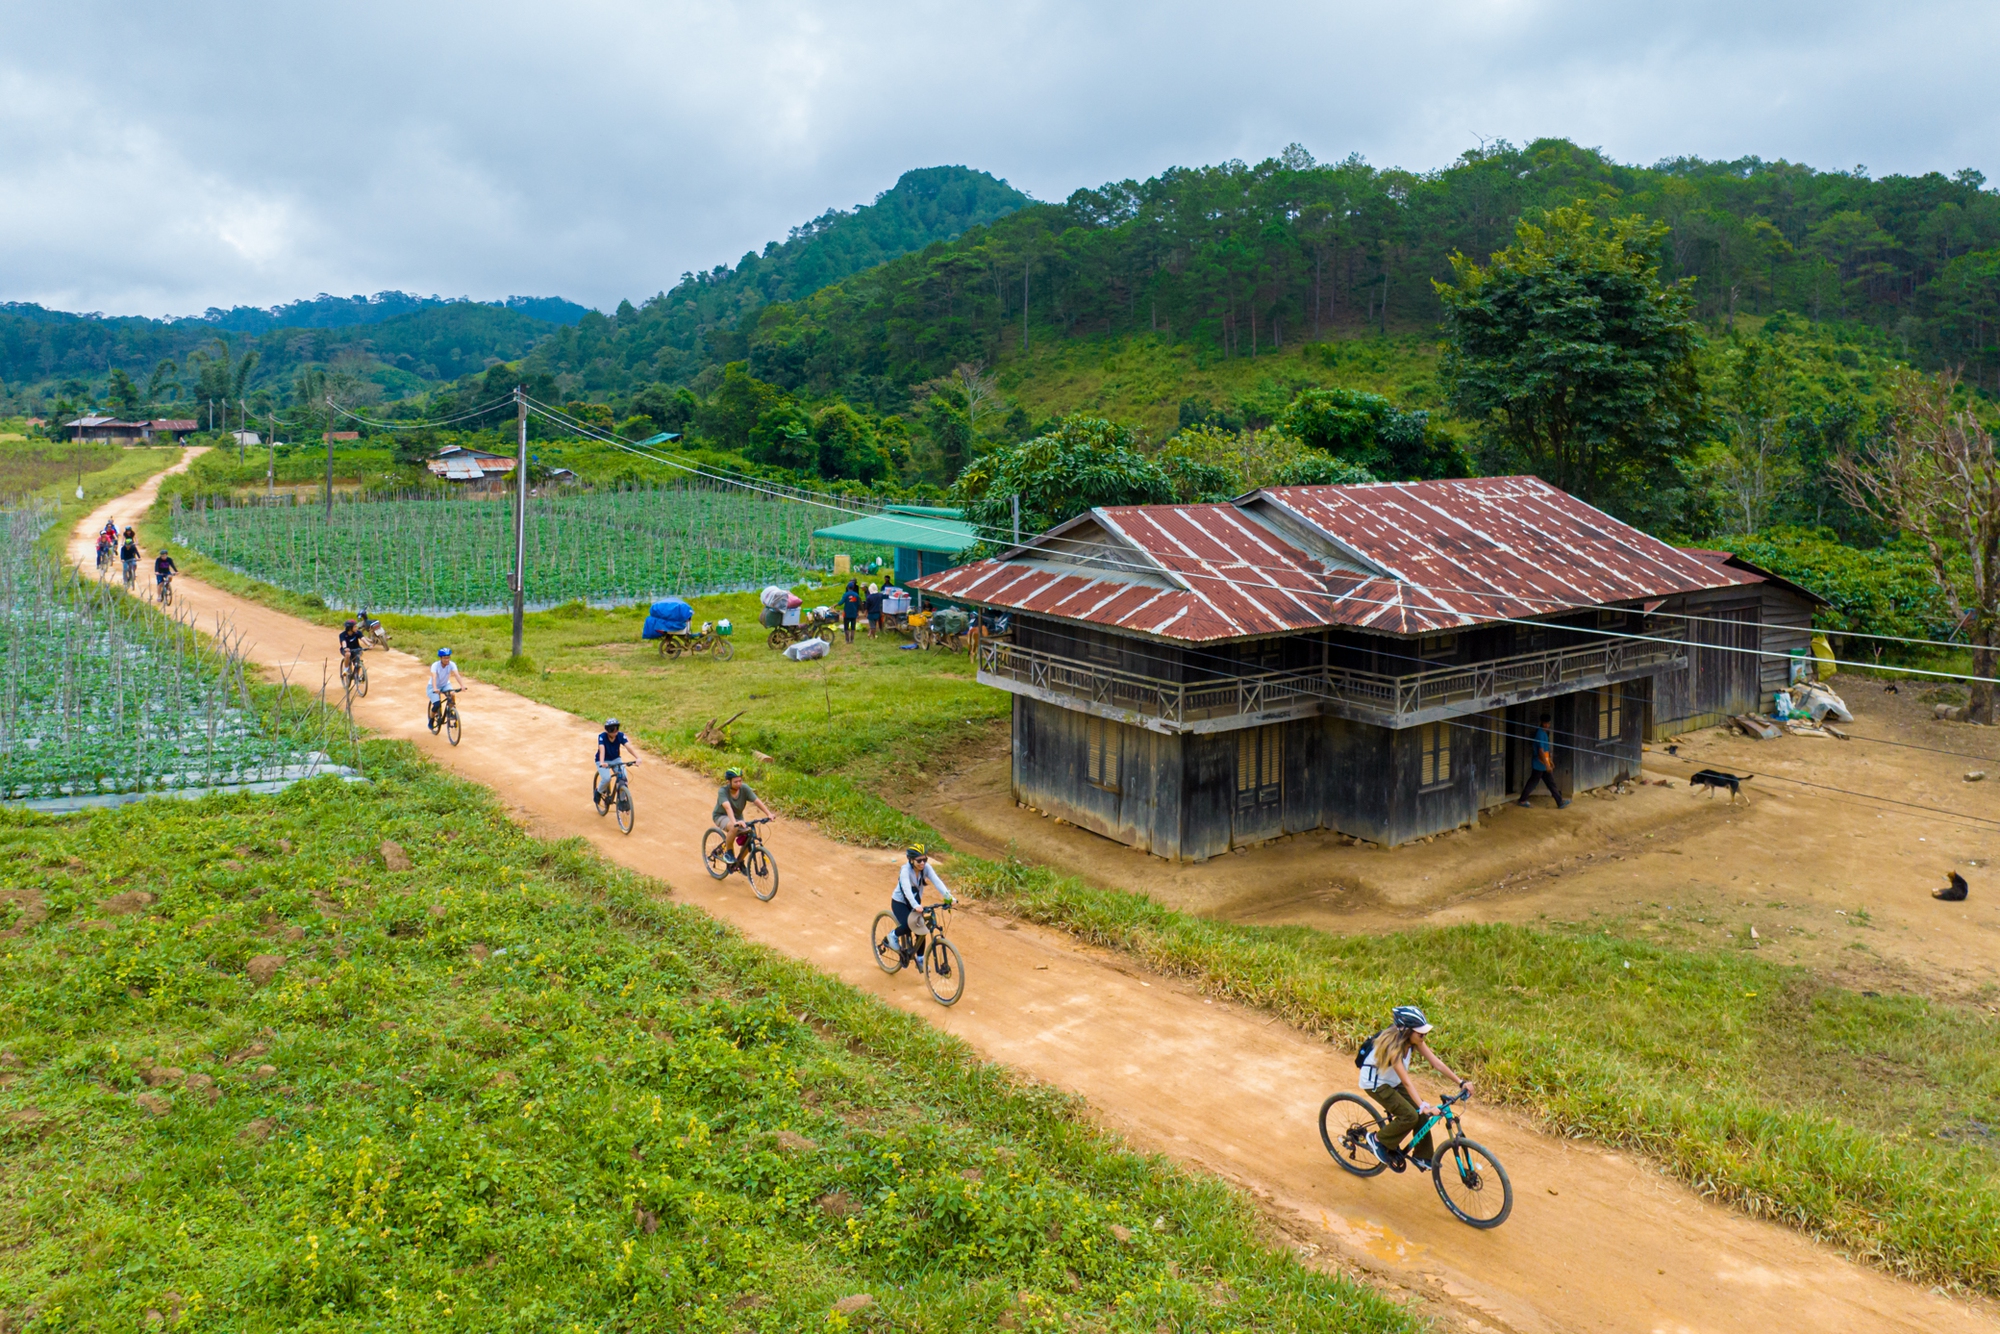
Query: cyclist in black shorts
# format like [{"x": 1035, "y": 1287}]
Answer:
[{"x": 350, "y": 643}]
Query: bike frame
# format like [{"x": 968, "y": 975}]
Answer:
[{"x": 1444, "y": 1116}]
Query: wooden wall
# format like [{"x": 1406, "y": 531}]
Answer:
[
  {"x": 1689, "y": 699},
  {"x": 1051, "y": 764}
]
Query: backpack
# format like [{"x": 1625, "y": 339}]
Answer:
[{"x": 1367, "y": 1048}]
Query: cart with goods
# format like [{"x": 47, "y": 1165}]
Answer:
[
  {"x": 945, "y": 628},
  {"x": 786, "y": 617},
  {"x": 672, "y": 623},
  {"x": 896, "y": 610}
]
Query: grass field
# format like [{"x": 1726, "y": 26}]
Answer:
[
  {"x": 263, "y": 1071},
  {"x": 1140, "y": 380}
]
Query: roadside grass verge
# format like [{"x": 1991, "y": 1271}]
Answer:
[
  {"x": 263, "y": 1072},
  {"x": 128, "y": 469}
]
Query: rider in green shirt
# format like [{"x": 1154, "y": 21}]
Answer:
[{"x": 730, "y": 799}]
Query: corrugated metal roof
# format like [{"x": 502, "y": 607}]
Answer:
[{"x": 1405, "y": 558}]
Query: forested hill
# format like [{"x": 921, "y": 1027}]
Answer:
[
  {"x": 704, "y": 320},
  {"x": 340, "y": 312},
  {"x": 1237, "y": 259}
]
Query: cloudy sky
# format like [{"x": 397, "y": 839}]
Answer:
[{"x": 160, "y": 159}]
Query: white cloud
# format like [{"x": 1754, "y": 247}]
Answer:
[{"x": 167, "y": 158}]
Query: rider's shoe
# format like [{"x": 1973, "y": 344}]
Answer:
[
  {"x": 1390, "y": 1158},
  {"x": 1421, "y": 1164}
]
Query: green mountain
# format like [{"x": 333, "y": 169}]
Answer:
[
  {"x": 707, "y": 317},
  {"x": 1239, "y": 261}
]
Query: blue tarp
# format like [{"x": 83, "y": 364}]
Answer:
[{"x": 670, "y": 617}]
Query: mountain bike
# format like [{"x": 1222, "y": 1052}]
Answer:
[
  {"x": 105, "y": 553},
  {"x": 445, "y": 716},
  {"x": 131, "y": 573},
  {"x": 353, "y": 674},
  {"x": 163, "y": 591},
  {"x": 615, "y": 795},
  {"x": 759, "y": 867},
  {"x": 943, "y": 970},
  {"x": 1469, "y": 1179}
]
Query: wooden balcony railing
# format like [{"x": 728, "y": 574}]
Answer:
[{"x": 1221, "y": 704}]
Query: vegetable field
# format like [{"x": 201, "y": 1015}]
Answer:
[
  {"x": 101, "y": 694},
  {"x": 424, "y": 554}
]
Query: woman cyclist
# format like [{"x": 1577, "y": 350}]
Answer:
[
  {"x": 908, "y": 899},
  {"x": 1385, "y": 1077}
]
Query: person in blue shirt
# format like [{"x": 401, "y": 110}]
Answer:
[
  {"x": 1542, "y": 769},
  {"x": 612, "y": 756}
]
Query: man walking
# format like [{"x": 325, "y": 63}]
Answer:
[{"x": 1543, "y": 768}]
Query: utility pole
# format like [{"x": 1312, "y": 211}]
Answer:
[
  {"x": 271, "y": 460},
  {"x": 1024, "y": 304},
  {"x": 1017, "y": 520},
  {"x": 242, "y": 429},
  {"x": 520, "y": 514},
  {"x": 329, "y": 458}
]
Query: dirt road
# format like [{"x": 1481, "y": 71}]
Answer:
[{"x": 1597, "y": 1241}]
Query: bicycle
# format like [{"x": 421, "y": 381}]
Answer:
[
  {"x": 615, "y": 795},
  {"x": 131, "y": 573},
  {"x": 943, "y": 969},
  {"x": 759, "y": 867},
  {"x": 1461, "y": 1165},
  {"x": 164, "y": 591},
  {"x": 105, "y": 553},
  {"x": 353, "y": 674},
  {"x": 444, "y": 716},
  {"x": 706, "y": 640}
]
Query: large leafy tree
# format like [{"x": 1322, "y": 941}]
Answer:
[
  {"x": 1081, "y": 463},
  {"x": 1367, "y": 432},
  {"x": 1575, "y": 356},
  {"x": 848, "y": 446}
]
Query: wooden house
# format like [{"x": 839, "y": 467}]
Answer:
[{"x": 1368, "y": 659}]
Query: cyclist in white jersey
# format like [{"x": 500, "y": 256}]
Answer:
[
  {"x": 907, "y": 901},
  {"x": 443, "y": 673}
]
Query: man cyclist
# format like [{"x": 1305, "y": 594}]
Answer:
[
  {"x": 730, "y": 799},
  {"x": 908, "y": 899},
  {"x": 164, "y": 569},
  {"x": 443, "y": 672},
  {"x": 128, "y": 555},
  {"x": 350, "y": 646},
  {"x": 610, "y": 759}
]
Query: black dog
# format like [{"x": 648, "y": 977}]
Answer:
[
  {"x": 1715, "y": 778},
  {"x": 1956, "y": 893}
]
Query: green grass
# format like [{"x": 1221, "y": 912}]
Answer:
[
  {"x": 1140, "y": 379},
  {"x": 128, "y": 468},
  {"x": 510, "y": 1087}
]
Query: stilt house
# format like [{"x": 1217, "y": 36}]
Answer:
[{"x": 1367, "y": 659}]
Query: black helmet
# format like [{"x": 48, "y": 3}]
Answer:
[
  {"x": 1410, "y": 1017},
  {"x": 610, "y": 724}
]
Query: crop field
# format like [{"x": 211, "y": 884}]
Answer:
[
  {"x": 25, "y": 468},
  {"x": 100, "y": 694},
  {"x": 446, "y": 555}
]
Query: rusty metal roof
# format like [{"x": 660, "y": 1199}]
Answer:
[{"x": 1403, "y": 558}]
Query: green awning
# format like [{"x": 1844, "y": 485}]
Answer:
[{"x": 947, "y": 536}]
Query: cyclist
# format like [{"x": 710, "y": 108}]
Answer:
[
  {"x": 164, "y": 569},
  {"x": 610, "y": 743},
  {"x": 350, "y": 645},
  {"x": 128, "y": 555},
  {"x": 908, "y": 899},
  {"x": 107, "y": 542},
  {"x": 730, "y": 799},
  {"x": 443, "y": 672},
  {"x": 1385, "y": 1077}
]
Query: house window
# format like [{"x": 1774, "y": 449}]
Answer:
[
  {"x": 1611, "y": 620},
  {"x": 1436, "y": 647},
  {"x": 1101, "y": 753},
  {"x": 1610, "y": 714},
  {"x": 1434, "y": 744},
  {"x": 1101, "y": 648},
  {"x": 1259, "y": 766},
  {"x": 1263, "y": 655}
]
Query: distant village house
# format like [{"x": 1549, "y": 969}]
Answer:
[{"x": 114, "y": 431}]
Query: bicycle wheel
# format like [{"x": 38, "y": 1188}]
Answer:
[
  {"x": 778, "y": 639},
  {"x": 1344, "y": 1122},
  {"x": 599, "y": 799},
  {"x": 944, "y": 971},
  {"x": 452, "y": 728},
  {"x": 623, "y": 801},
  {"x": 723, "y": 652},
  {"x": 762, "y": 869},
  {"x": 670, "y": 646},
  {"x": 1472, "y": 1184},
  {"x": 882, "y": 943},
  {"x": 361, "y": 680},
  {"x": 713, "y": 844}
]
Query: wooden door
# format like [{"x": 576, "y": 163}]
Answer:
[
  {"x": 1260, "y": 783},
  {"x": 1725, "y": 663}
]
